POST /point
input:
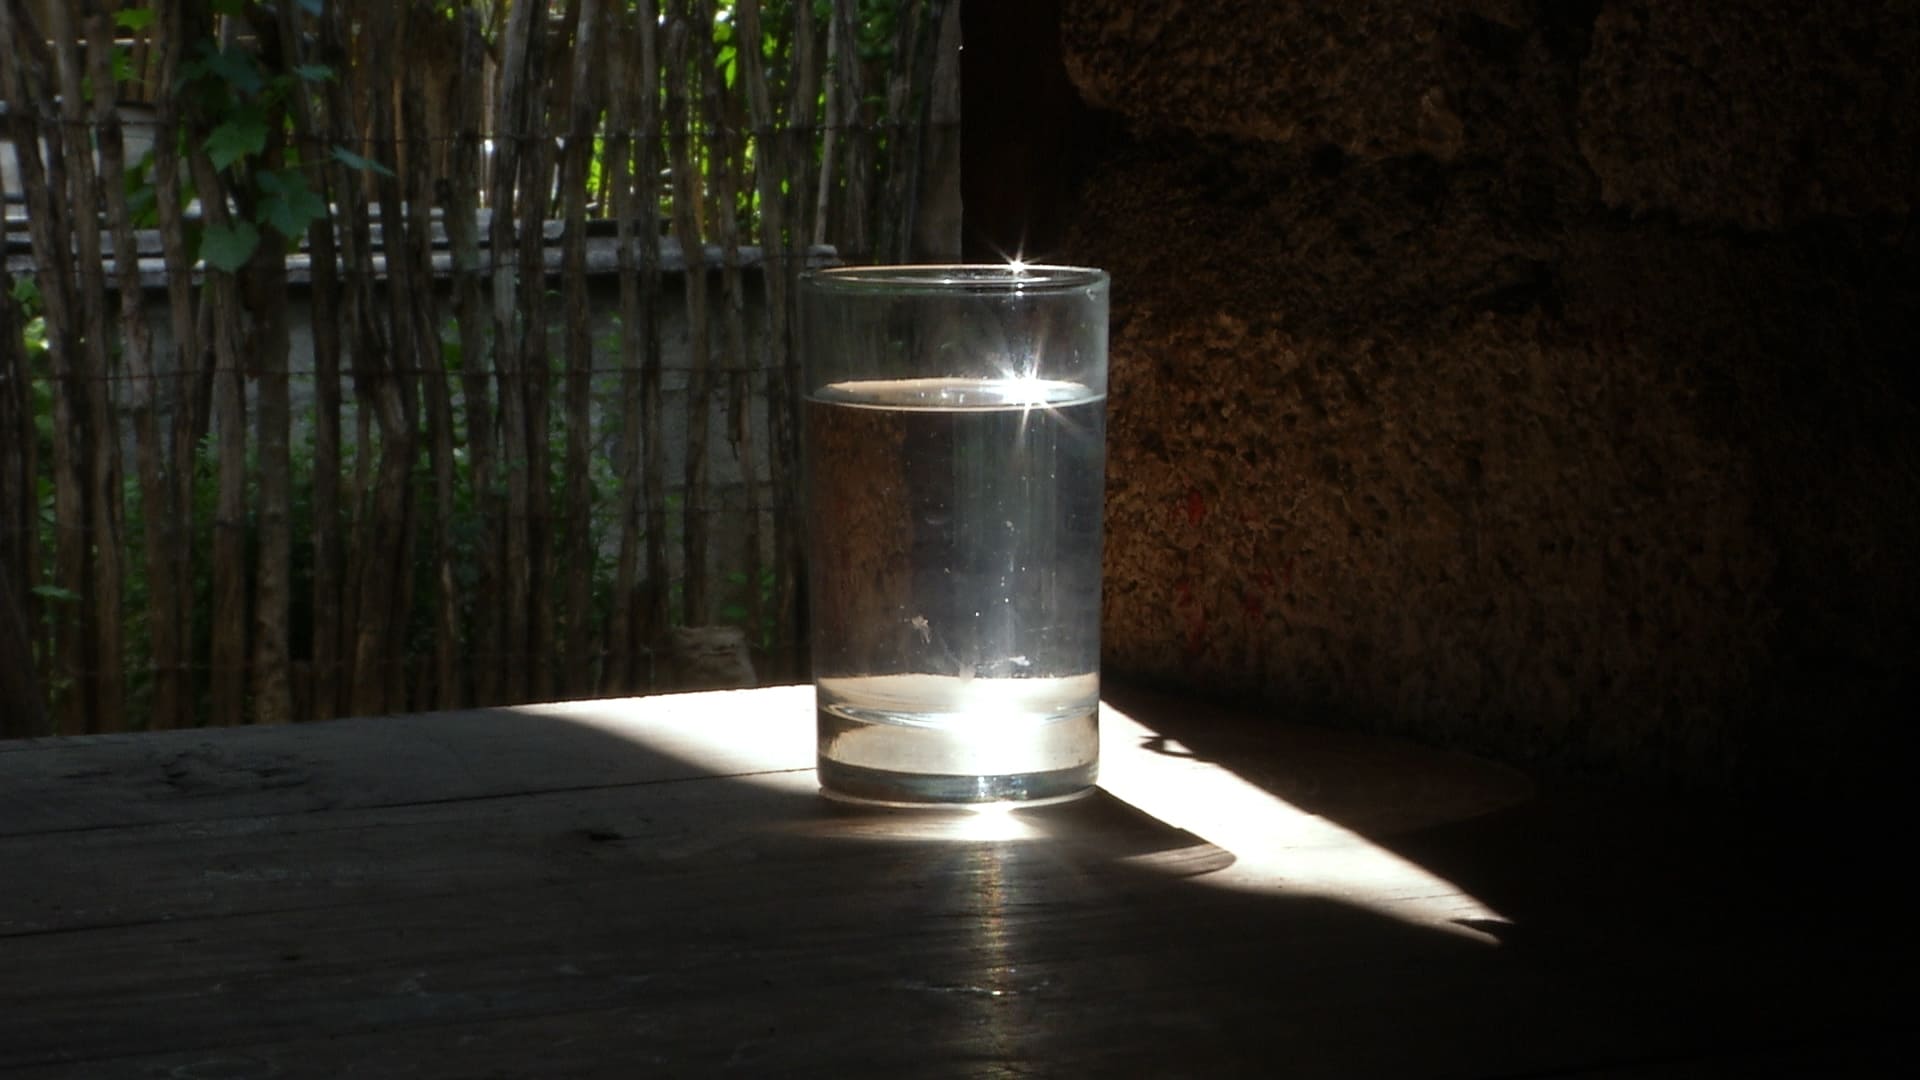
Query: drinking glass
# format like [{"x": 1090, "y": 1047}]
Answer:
[{"x": 954, "y": 448}]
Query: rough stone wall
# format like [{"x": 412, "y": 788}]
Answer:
[{"x": 1528, "y": 375}]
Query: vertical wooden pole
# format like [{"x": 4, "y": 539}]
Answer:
[
  {"x": 23, "y": 709},
  {"x": 380, "y": 668},
  {"x": 652, "y": 391},
  {"x": 691, "y": 17},
  {"x": 93, "y": 370},
  {"x": 264, "y": 289},
  {"x": 315, "y": 139},
  {"x": 581, "y": 550},
  {"x": 620, "y": 673},
  {"x": 173, "y": 519},
  {"x": 513, "y": 124},
  {"x": 853, "y": 235},
  {"x": 487, "y": 648},
  {"x": 422, "y": 37},
  {"x": 136, "y": 348}
]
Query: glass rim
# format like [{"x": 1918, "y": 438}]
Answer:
[{"x": 948, "y": 278}]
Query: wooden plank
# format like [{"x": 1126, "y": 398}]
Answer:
[
  {"x": 261, "y": 781},
  {"x": 968, "y": 952},
  {"x": 473, "y": 799},
  {"x": 57, "y": 785},
  {"x": 796, "y": 936},
  {"x": 1374, "y": 785},
  {"x": 653, "y": 885},
  {"x": 190, "y": 870}
]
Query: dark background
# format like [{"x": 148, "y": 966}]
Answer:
[{"x": 1533, "y": 378}]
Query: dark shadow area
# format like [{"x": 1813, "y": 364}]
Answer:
[
  {"x": 1744, "y": 935},
  {"x": 1027, "y": 135},
  {"x": 518, "y": 894}
]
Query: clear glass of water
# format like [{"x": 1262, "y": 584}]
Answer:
[{"x": 954, "y": 440}]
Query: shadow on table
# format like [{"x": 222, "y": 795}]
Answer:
[
  {"x": 1670, "y": 935},
  {"x": 520, "y": 893}
]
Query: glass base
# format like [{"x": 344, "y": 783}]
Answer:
[
  {"x": 918, "y": 740},
  {"x": 880, "y": 787}
]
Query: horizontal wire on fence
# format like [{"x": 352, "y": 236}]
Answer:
[
  {"x": 347, "y": 375},
  {"x": 558, "y": 518},
  {"x": 549, "y": 519},
  {"x": 787, "y": 648},
  {"x": 669, "y": 261},
  {"x": 634, "y": 134},
  {"x": 468, "y": 656}
]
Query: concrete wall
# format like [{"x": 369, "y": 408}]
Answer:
[{"x": 1531, "y": 377}]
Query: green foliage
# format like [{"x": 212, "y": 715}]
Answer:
[
  {"x": 123, "y": 66},
  {"x": 239, "y": 111},
  {"x": 26, "y": 293},
  {"x": 143, "y": 198},
  {"x": 354, "y": 161},
  {"x": 289, "y": 205},
  {"x": 229, "y": 247},
  {"x": 246, "y": 106},
  {"x": 242, "y": 136},
  {"x": 34, "y": 343},
  {"x": 726, "y": 54}
]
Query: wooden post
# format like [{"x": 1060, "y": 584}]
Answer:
[
  {"x": 687, "y": 21},
  {"x": 486, "y": 645},
  {"x": 771, "y": 163},
  {"x": 511, "y": 126},
  {"x": 581, "y": 552},
  {"x": 627, "y": 85},
  {"x": 93, "y": 367},
  {"x": 535, "y": 204},
  {"x": 311, "y": 134},
  {"x": 136, "y": 348},
  {"x": 190, "y": 376}
]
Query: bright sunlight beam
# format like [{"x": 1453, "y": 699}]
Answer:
[
  {"x": 1277, "y": 847},
  {"x": 766, "y": 737}
]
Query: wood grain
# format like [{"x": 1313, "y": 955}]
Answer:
[{"x": 605, "y": 888}]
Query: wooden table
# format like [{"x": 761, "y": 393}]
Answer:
[{"x": 653, "y": 886}]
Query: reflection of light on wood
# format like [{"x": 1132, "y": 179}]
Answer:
[
  {"x": 763, "y": 735},
  {"x": 1277, "y": 847},
  {"x": 766, "y": 737},
  {"x": 994, "y": 821}
]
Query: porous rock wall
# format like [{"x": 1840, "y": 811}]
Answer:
[{"x": 1531, "y": 376}]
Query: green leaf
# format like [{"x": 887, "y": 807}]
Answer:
[
  {"x": 134, "y": 18},
  {"x": 230, "y": 247},
  {"x": 55, "y": 592},
  {"x": 354, "y": 161},
  {"x": 733, "y": 611},
  {"x": 194, "y": 233},
  {"x": 143, "y": 204},
  {"x": 237, "y": 138},
  {"x": 26, "y": 290},
  {"x": 235, "y": 67},
  {"x": 34, "y": 337},
  {"x": 290, "y": 205}
]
